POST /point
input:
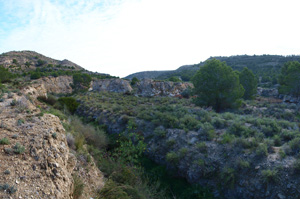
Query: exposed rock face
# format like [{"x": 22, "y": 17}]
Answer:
[
  {"x": 42, "y": 165},
  {"x": 60, "y": 84},
  {"x": 42, "y": 86},
  {"x": 112, "y": 85},
  {"x": 149, "y": 87},
  {"x": 41, "y": 171}
]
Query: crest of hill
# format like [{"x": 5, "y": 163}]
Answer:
[
  {"x": 30, "y": 60},
  {"x": 259, "y": 64}
]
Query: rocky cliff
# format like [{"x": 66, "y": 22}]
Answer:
[
  {"x": 112, "y": 85},
  {"x": 149, "y": 87},
  {"x": 35, "y": 160},
  {"x": 45, "y": 85},
  {"x": 145, "y": 88}
]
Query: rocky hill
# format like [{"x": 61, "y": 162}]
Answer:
[
  {"x": 259, "y": 64},
  {"x": 28, "y": 60}
]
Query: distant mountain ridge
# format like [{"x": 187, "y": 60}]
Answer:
[{"x": 259, "y": 64}]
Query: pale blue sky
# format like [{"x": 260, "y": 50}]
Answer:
[{"x": 120, "y": 37}]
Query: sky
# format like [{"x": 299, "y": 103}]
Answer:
[{"x": 120, "y": 37}]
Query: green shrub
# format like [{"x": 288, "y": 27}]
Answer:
[
  {"x": 40, "y": 62},
  {"x": 227, "y": 138},
  {"x": 295, "y": 145},
  {"x": 201, "y": 146},
  {"x": 288, "y": 135},
  {"x": 269, "y": 176},
  {"x": 5, "y": 75},
  {"x": 160, "y": 132},
  {"x": 124, "y": 175},
  {"x": 228, "y": 176},
  {"x": 172, "y": 157},
  {"x": 189, "y": 122},
  {"x": 200, "y": 162},
  {"x": 171, "y": 142},
  {"x": 296, "y": 166},
  {"x": 78, "y": 187},
  {"x": 81, "y": 81},
  {"x": 70, "y": 103},
  {"x": 262, "y": 150},
  {"x": 277, "y": 140},
  {"x": 219, "y": 123},
  {"x": 243, "y": 164},
  {"x": 183, "y": 151},
  {"x": 51, "y": 100},
  {"x": 18, "y": 148},
  {"x": 79, "y": 142},
  {"x": 134, "y": 80},
  {"x": 282, "y": 153},
  {"x": 111, "y": 190},
  {"x": 35, "y": 75},
  {"x": 4, "y": 141},
  {"x": 208, "y": 131}
]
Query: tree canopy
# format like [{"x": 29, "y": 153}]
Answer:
[
  {"x": 5, "y": 75},
  {"x": 249, "y": 82},
  {"x": 289, "y": 79},
  {"x": 81, "y": 81},
  {"x": 217, "y": 85}
]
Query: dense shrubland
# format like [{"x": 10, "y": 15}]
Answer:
[
  {"x": 248, "y": 135},
  {"x": 121, "y": 159}
]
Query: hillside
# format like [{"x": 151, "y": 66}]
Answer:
[
  {"x": 261, "y": 65},
  {"x": 24, "y": 61}
]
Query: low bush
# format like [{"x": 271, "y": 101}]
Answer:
[
  {"x": 227, "y": 138},
  {"x": 78, "y": 187},
  {"x": 4, "y": 141},
  {"x": 18, "y": 148},
  {"x": 201, "y": 146},
  {"x": 243, "y": 164},
  {"x": 228, "y": 176},
  {"x": 269, "y": 175},
  {"x": 70, "y": 103},
  {"x": 262, "y": 150},
  {"x": 51, "y": 100},
  {"x": 172, "y": 157}
]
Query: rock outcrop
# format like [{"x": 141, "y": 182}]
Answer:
[
  {"x": 42, "y": 86},
  {"x": 60, "y": 84},
  {"x": 36, "y": 157},
  {"x": 112, "y": 85},
  {"x": 145, "y": 88},
  {"x": 149, "y": 87},
  {"x": 35, "y": 160}
]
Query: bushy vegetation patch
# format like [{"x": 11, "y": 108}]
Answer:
[{"x": 70, "y": 103}]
